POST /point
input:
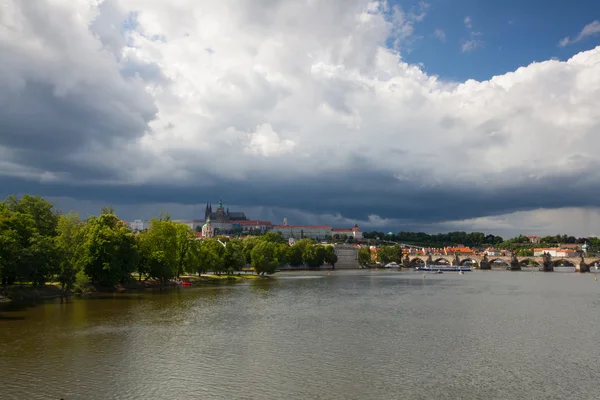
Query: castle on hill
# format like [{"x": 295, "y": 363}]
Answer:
[
  {"x": 222, "y": 222},
  {"x": 222, "y": 214}
]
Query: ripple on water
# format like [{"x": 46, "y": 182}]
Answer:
[{"x": 348, "y": 335}]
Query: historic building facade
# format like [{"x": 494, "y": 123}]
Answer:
[{"x": 222, "y": 220}]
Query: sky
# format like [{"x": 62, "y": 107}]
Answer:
[{"x": 421, "y": 116}]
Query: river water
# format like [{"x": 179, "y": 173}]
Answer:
[{"x": 313, "y": 335}]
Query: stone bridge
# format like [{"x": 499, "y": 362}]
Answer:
[{"x": 412, "y": 260}]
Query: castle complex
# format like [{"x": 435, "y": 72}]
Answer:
[{"x": 222, "y": 222}]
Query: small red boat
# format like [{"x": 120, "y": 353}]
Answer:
[{"x": 186, "y": 283}]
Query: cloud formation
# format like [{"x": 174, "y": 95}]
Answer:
[
  {"x": 304, "y": 106},
  {"x": 474, "y": 41},
  {"x": 591, "y": 29},
  {"x": 440, "y": 34}
]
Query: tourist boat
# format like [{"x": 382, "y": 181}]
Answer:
[
  {"x": 444, "y": 268},
  {"x": 392, "y": 265}
]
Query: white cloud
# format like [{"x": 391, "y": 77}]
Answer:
[
  {"x": 440, "y": 34},
  {"x": 471, "y": 45},
  {"x": 290, "y": 89},
  {"x": 267, "y": 143},
  {"x": 473, "y": 42},
  {"x": 593, "y": 28},
  {"x": 468, "y": 22}
]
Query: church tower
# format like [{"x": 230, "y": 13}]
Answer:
[
  {"x": 220, "y": 211},
  {"x": 207, "y": 230}
]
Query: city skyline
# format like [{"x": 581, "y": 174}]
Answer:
[{"x": 394, "y": 115}]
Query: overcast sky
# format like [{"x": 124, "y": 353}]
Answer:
[{"x": 314, "y": 110}]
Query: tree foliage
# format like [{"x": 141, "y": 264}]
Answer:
[
  {"x": 264, "y": 258},
  {"x": 364, "y": 256},
  {"x": 109, "y": 249}
]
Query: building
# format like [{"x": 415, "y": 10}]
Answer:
[
  {"x": 533, "y": 239},
  {"x": 252, "y": 225},
  {"x": 222, "y": 220},
  {"x": 570, "y": 246},
  {"x": 460, "y": 250},
  {"x": 492, "y": 252},
  {"x": 207, "y": 229},
  {"x": 556, "y": 252},
  {"x": 354, "y": 232},
  {"x": 303, "y": 231},
  {"x": 222, "y": 214},
  {"x": 137, "y": 225}
]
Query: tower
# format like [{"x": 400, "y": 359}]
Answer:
[
  {"x": 220, "y": 211},
  {"x": 207, "y": 231}
]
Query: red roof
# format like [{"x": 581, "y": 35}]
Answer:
[
  {"x": 252, "y": 222},
  {"x": 346, "y": 230},
  {"x": 303, "y": 226}
]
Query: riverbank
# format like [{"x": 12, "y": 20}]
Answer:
[{"x": 52, "y": 290}]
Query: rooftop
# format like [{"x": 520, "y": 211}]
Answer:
[{"x": 302, "y": 226}]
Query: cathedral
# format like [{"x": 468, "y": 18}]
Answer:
[
  {"x": 221, "y": 221},
  {"x": 222, "y": 215}
]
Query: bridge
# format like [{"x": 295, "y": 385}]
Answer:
[{"x": 580, "y": 264}]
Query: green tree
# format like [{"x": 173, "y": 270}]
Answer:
[
  {"x": 69, "y": 242},
  {"x": 234, "y": 256},
  {"x": 314, "y": 255},
  {"x": 281, "y": 254},
  {"x": 28, "y": 227},
  {"x": 387, "y": 254},
  {"x": 110, "y": 252},
  {"x": 330, "y": 257},
  {"x": 295, "y": 251},
  {"x": 274, "y": 237},
  {"x": 364, "y": 256},
  {"x": 212, "y": 256},
  {"x": 163, "y": 249},
  {"x": 263, "y": 257},
  {"x": 249, "y": 244}
]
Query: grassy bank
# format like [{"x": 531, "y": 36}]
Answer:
[
  {"x": 28, "y": 292},
  {"x": 206, "y": 278}
]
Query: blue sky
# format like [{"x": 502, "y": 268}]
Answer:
[{"x": 513, "y": 34}]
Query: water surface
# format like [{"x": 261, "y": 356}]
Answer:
[{"x": 344, "y": 335}]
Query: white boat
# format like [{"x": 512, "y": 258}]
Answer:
[{"x": 392, "y": 265}]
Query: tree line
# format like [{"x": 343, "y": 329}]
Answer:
[
  {"x": 39, "y": 244},
  {"x": 476, "y": 239},
  {"x": 437, "y": 240}
]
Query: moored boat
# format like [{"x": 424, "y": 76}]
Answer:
[{"x": 444, "y": 268}]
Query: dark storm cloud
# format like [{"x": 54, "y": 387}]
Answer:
[{"x": 354, "y": 196}]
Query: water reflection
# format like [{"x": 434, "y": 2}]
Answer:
[{"x": 346, "y": 335}]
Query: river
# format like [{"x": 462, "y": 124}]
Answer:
[{"x": 313, "y": 335}]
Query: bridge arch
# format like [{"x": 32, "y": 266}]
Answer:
[
  {"x": 417, "y": 261},
  {"x": 528, "y": 261},
  {"x": 437, "y": 261},
  {"x": 468, "y": 260},
  {"x": 563, "y": 262},
  {"x": 497, "y": 261}
]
